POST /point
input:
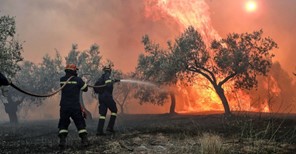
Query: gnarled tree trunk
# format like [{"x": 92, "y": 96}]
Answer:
[
  {"x": 220, "y": 91},
  {"x": 11, "y": 109},
  {"x": 173, "y": 103}
]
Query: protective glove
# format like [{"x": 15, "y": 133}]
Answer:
[
  {"x": 84, "y": 115},
  {"x": 116, "y": 80}
]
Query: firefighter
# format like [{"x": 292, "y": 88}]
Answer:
[
  {"x": 106, "y": 101},
  {"x": 3, "y": 80},
  {"x": 70, "y": 106}
]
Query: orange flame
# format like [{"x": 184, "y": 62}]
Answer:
[
  {"x": 199, "y": 97},
  {"x": 186, "y": 13}
]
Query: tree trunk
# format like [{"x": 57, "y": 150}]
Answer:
[
  {"x": 11, "y": 109},
  {"x": 173, "y": 103},
  {"x": 88, "y": 114},
  {"x": 121, "y": 108},
  {"x": 221, "y": 94}
]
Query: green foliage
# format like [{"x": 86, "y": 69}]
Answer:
[
  {"x": 49, "y": 73},
  {"x": 40, "y": 78},
  {"x": 239, "y": 57},
  {"x": 123, "y": 91},
  {"x": 189, "y": 50},
  {"x": 88, "y": 61},
  {"x": 155, "y": 61},
  {"x": 10, "y": 48},
  {"x": 244, "y": 56}
]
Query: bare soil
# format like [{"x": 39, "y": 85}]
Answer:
[{"x": 162, "y": 133}]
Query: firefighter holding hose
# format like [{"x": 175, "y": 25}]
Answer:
[
  {"x": 106, "y": 100},
  {"x": 70, "y": 106}
]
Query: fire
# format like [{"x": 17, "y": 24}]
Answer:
[
  {"x": 186, "y": 13},
  {"x": 201, "y": 96}
]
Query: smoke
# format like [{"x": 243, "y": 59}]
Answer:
[
  {"x": 276, "y": 18},
  {"x": 116, "y": 25},
  {"x": 277, "y": 90}
]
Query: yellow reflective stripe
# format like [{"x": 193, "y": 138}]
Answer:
[
  {"x": 69, "y": 82},
  {"x": 63, "y": 131},
  {"x": 82, "y": 131},
  {"x": 114, "y": 114},
  {"x": 102, "y": 117},
  {"x": 84, "y": 86},
  {"x": 108, "y": 81}
]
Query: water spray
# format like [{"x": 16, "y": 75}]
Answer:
[
  {"x": 150, "y": 84},
  {"x": 145, "y": 83}
]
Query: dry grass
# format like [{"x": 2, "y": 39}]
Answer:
[
  {"x": 161, "y": 134},
  {"x": 210, "y": 144}
]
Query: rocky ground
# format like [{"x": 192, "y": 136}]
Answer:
[{"x": 211, "y": 133}]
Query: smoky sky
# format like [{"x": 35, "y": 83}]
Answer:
[
  {"x": 117, "y": 26},
  {"x": 277, "y": 19}
]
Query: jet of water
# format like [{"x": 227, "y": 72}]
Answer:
[
  {"x": 145, "y": 83},
  {"x": 139, "y": 82}
]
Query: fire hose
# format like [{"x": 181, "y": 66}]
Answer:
[
  {"x": 86, "y": 113},
  {"x": 51, "y": 94},
  {"x": 40, "y": 95}
]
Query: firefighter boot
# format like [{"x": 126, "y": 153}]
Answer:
[
  {"x": 62, "y": 137},
  {"x": 62, "y": 144},
  {"x": 100, "y": 131},
  {"x": 84, "y": 139},
  {"x": 110, "y": 127}
]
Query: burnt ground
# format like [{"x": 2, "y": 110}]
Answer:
[{"x": 208, "y": 133}]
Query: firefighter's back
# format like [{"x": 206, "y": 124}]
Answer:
[{"x": 71, "y": 92}]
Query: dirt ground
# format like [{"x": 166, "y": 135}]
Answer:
[{"x": 195, "y": 133}]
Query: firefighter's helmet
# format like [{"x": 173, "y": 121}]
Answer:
[
  {"x": 107, "y": 68},
  {"x": 72, "y": 67}
]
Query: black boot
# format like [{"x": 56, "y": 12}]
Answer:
[
  {"x": 100, "y": 131},
  {"x": 84, "y": 140},
  {"x": 62, "y": 143},
  {"x": 110, "y": 127}
]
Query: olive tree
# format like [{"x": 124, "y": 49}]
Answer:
[
  {"x": 34, "y": 78},
  {"x": 238, "y": 58},
  {"x": 10, "y": 55},
  {"x": 10, "y": 47},
  {"x": 124, "y": 92}
]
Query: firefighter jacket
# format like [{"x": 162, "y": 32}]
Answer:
[
  {"x": 106, "y": 83},
  {"x": 3, "y": 80},
  {"x": 71, "y": 92}
]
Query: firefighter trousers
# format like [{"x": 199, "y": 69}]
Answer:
[
  {"x": 106, "y": 102},
  {"x": 64, "y": 122}
]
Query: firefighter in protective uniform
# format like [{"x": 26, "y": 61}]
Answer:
[
  {"x": 70, "y": 106},
  {"x": 106, "y": 101},
  {"x": 3, "y": 80}
]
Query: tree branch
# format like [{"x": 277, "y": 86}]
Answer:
[
  {"x": 226, "y": 79},
  {"x": 125, "y": 97},
  {"x": 205, "y": 69},
  {"x": 202, "y": 73},
  {"x": 211, "y": 73},
  {"x": 21, "y": 100}
]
